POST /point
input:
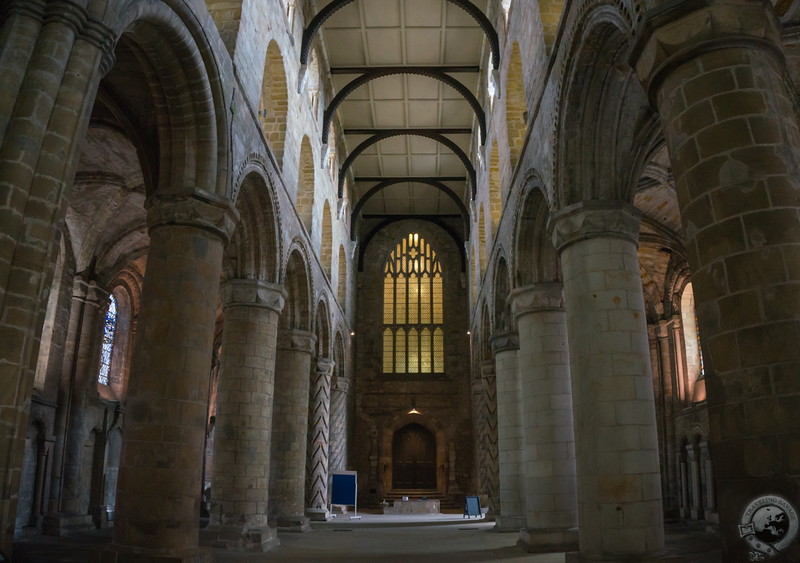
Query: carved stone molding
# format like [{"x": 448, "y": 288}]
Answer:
[
  {"x": 253, "y": 293},
  {"x": 324, "y": 367},
  {"x": 297, "y": 340},
  {"x": 595, "y": 219},
  {"x": 685, "y": 30},
  {"x": 537, "y": 297},
  {"x": 201, "y": 211},
  {"x": 505, "y": 341}
]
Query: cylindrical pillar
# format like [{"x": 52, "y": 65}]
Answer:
[
  {"x": 161, "y": 465},
  {"x": 619, "y": 480},
  {"x": 339, "y": 423},
  {"x": 290, "y": 429},
  {"x": 240, "y": 482},
  {"x": 319, "y": 405},
  {"x": 509, "y": 433},
  {"x": 716, "y": 73},
  {"x": 489, "y": 467},
  {"x": 549, "y": 443}
]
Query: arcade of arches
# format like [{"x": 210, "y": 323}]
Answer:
[{"x": 542, "y": 252}]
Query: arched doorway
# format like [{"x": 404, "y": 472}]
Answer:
[{"x": 413, "y": 458}]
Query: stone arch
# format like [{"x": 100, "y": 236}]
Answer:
[
  {"x": 550, "y": 15},
  {"x": 127, "y": 312},
  {"x": 503, "y": 317},
  {"x": 486, "y": 333},
  {"x": 306, "y": 178},
  {"x": 535, "y": 257},
  {"x": 402, "y": 420},
  {"x": 274, "y": 103},
  {"x": 32, "y": 503},
  {"x": 296, "y": 313},
  {"x": 516, "y": 107},
  {"x": 326, "y": 240},
  {"x": 254, "y": 251},
  {"x": 172, "y": 93},
  {"x": 495, "y": 190},
  {"x": 341, "y": 286},
  {"x": 603, "y": 109},
  {"x": 322, "y": 328}
]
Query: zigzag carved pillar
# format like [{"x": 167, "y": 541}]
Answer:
[
  {"x": 337, "y": 454},
  {"x": 478, "y": 431},
  {"x": 616, "y": 445},
  {"x": 319, "y": 406},
  {"x": 717, "y": 73},
  {"x": 161, "y": 466},
  {"x": 290, "y": 430},
  {"x": 509, "y": 433},
  {"x": 490, "y": 466},
  {"x": 549, "y": 441},
  {"x": 240, "y": 482}
]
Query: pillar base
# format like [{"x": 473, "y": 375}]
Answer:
[
  {"x": 577, "y": 557},
  {"x": 295, "y": 523},
  {"x": 125, "y": 554},
  {"x": 233, "y": 538},
  {"x": 548, "y": 541},
  {"x": 509, "y": 523},
  {"x": 318, "y": 514},
  {"x": 66, "y": 524}
]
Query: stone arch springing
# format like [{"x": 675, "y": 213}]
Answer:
[
  {"x": 341, "y": 287},
  {"x": 495, "y": 190},
  {"x": 274, "y": 102},
  {"x": 516, "y": 107},
  {"x": 326, "y": 241},
  {"x": 306, "y": 178}
]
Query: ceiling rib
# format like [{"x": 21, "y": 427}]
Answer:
[{"x": 432, "y": 134}]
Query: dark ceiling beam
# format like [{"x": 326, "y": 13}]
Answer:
[
  {"x": 361, "y": 69},
  {"x": 386, "y": 182},
  {"x": 380, "y": 72},
  {"x": 322, "y": 16},
  {"x": 426, "y": 133},
  {"x": 440, "y": 130}
]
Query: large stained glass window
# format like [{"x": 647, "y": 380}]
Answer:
[
  {"x": 413, "y": 335},
  {"x": 109, "y": 328}
]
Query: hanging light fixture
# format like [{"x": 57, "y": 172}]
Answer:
[{"x": 414, "y": 408}]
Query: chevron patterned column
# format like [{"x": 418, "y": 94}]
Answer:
[
  {"x": 337, "y": 453},
  {"x": 488, "y": 443},
  {"x": 319, "y": 408}
]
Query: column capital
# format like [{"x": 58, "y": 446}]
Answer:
[
  {"x": 340, "y": 385},
  {"x": 202, "y": 211},
  {"x": 324, "y": 366},
  {"x": 595, "y": 219},
  {"x": 487, "y": 369},
  {"x": 505, "y": 341},
  {"x": 536, "y": 297},
  {"x": 679, "y": 32},
  {"x": 296, "y": 339},
  {"x": 253, "y": 293}
]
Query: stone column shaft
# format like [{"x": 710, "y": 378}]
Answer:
[
  {"x": 716, "y": 73},
  {"x": 161, "y": 465},
  {"x": 339, "y": 416},
  {"x": 666, "y": 345},
  {"x": 549, "y": 443},
  {"x": 240, "y": 482},
  {"x": 509, "y": 433},
  {"x": 290, "y": 429},
  {"x": 490, "y": 465},
  {"x": 619, "y": 481},
  {"x": 319, "y": 406}
]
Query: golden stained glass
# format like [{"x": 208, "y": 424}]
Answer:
[{"x": 413, "y": 309}]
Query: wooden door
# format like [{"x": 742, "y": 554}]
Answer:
[{"x": 414, "y": 458}]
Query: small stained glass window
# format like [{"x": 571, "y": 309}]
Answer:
[{"x": 109, "y": 328}]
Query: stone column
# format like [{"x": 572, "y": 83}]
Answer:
[
  {"x": 478, "y": 403},
  {"x": 509, "y": 433},
  {"x": 695, "y": 506},
  {"x": 666, "y": 345},
  {"x": 290, "y": 430},
  {"x": 161, "y": 465},
  {"x": 715, "y": 71},
  {"x": 549, "y": 442},
  {"x": 339, "y": 416},
  {"x": 490, "y": 466},
  {"x": 319, "y": 405},
  {"x": 240, "y": 476},
  {"x": 619, "y": 480}
]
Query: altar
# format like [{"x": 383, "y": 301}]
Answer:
[{"x": 413, "y": 507}]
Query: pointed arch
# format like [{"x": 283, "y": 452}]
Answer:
[
  {"x": 274, "y": 103},
  {"x": 503, "y": 318},
  {"x": 326, "y": 240},
  {"x": 550, "y": 14},
  {"x": 516, "y": 107},
  {"x": 495, "y": 190},
  {"x": 341, "y": 287},
  {"x": 306, "y": 184}
]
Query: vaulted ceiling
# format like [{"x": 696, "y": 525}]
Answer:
[{"x": 406, "y": 76}]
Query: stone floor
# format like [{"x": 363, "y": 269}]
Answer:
[{"x": 440, "y": 538}]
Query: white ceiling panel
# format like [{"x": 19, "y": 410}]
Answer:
[
  {"x": 381, "y": 13},
  {"x": 451, "y": 165},
  {"x": 425, "y": 165},
  {"x": 423, "y": 46},
  {"x": 462, "y": 46},
  {"x": 390, "y": 114},
  {"x": 456, "y": 113},
  {"x": 388, "y": 88},
  {"x": 345, "y": 47},
  {"x": 423, "y": 13},
  {"x": 348, "y": 16},
  {"x": 423, "y": 87},
  {"x": 385, "y": 47},
  {"x": 393, "y": 145},
  {"x": 356, "y": 114},
  {"x": 367, "y": 165},
  {"x": 424, "y": 145},
  {"x": 423, "y": 114},
  {"x": 395, "y": 165}
]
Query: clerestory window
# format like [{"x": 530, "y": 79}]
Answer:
[
  {"x": 413, "y": 316},
  {"x": 107, "y": 349}
]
